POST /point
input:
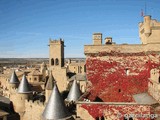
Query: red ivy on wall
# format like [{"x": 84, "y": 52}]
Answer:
[
  {"x": 107, "y": 73},
  {"x": 117, "y": 112}
]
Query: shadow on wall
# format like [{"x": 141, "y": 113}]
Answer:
[{"x": 8, "y": 107}]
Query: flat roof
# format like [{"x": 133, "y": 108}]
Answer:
[{"x": 144, "y": 98}]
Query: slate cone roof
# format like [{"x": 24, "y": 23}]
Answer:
[
  {"x": 50, "y": 82},
  {"x": 55, "y": 108},
  {"x": 24, "y": 86},
  {"x": 74, "y": 92},
  {"x": 14, "y": 78}
]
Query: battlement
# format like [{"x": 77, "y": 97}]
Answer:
[
  {"x": 154, "y": 25},
  {"x": 14, "y": 90},
  {"x": 31, "y": 107},
  {"x": 149, "y": 30},
  {"x": 60, "y": 41},
  {"x": 97, "y": 38},
  {"x": 34, "y": 103},
  {"x": 94, "y": 49}
]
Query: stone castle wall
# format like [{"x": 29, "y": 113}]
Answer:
[
  {"x": 4, "y": 82},
  {"x": 154, "y": 84},
  {"x": 60, "y": 75},
  {"x": 121, "y": 48},
  {"x": 33, "y": 110},
  {"x": 92, "y": 49},
  {"x": 28, "y": 110}
]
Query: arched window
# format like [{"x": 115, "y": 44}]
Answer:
[
  {"x": 52, "y": 61},
  {"x": 57, "y": 61}
]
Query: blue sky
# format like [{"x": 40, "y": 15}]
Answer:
[{"x": 27, "y": 25}]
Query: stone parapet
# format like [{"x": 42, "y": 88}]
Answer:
[{"x": 121, "y": 48}]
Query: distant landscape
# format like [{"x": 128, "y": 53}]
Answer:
[{"x": 14, "y": 61}]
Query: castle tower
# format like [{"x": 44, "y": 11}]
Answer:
[
  {"x": 56, "y": 63},
  {"x": 24, "y": 92},
  {"x": 147, "y": 26},
  {"x": 108, "y": 40},
  {"x": 43, "y": 70},
  {"x": 56, "y": 53},
  {"x": 149, "y": 31},
  {"x": 55, "y": 108},
  {"x": 74, "y": 92},
  {"x": 97, "y": 38},
  {"x": 14, "y": 82},
  {"x": 49, "y": 86},
  {"x": 24, "y": 86}
]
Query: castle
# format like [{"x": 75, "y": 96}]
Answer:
[
  {"x": 124, "y": 78},
  {"x": 123, "y": 82},
  {"x": 33, "y": 92}
]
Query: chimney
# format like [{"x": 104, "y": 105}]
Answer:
[
  {"x": 97, "y": 38},
  {"x": 108, "y": 40}
]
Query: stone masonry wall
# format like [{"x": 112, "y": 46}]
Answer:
[
  {"x": 154, "y": 84},
  {"x": 33, "y": 110}
]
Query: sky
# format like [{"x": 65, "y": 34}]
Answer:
[{"x": 27, "y": 25}]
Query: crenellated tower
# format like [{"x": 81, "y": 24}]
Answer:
[
  {"x": 97, "y": 38},
  {"x": 56, "y": 53},
  {"x": 24, "y": 92},
  {"x": 56, "y": 63},
  {"x": 149, "y": 30},
  {"x": 13, "y": 82}
]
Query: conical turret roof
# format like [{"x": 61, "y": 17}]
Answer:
[
  {"x": 24, "y": 86},
  {"x": 74, "y": 92},
  {"x": 50, "y": 82},
  {"x": 14, "y": 78},
  {"x": 55, "y": 108}
]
